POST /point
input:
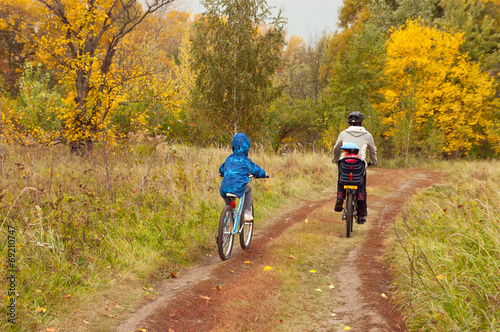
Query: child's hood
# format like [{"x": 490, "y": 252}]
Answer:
[{"x": 241, "y": 144}]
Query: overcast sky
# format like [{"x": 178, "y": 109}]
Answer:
[{"x": 306, "y": 18}]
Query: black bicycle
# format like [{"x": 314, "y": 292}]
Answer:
[{"x": 351, "y": 175}]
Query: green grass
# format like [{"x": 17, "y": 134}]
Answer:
[
  {"x": 302, "y": 281},
  {"x": 447, "y": 252},
  {"x": 308, "y": 282},
  {"x": 92, "y": 234}
]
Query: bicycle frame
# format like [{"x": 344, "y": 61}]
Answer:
[
  {"x": 232, "y": 223},
  {"x": 237, "y": 214}
]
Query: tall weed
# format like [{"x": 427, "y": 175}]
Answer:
[
  {"x": 447, "y": 252},
  {"x": 128, "y": 214}
]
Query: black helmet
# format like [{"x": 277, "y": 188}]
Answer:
[{"x": 355, "y": 118}]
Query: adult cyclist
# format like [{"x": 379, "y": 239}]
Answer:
[{"x": 357, "y": 134}]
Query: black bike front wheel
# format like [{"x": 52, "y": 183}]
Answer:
[
  {"x": 225, "y": 235},
  {"x": 246, "y": 231},
  {"x": 349, "y": 206}
]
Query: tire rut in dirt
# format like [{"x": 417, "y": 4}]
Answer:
[{"x": 186, "y": 307}]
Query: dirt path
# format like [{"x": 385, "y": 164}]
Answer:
[{"x": 362, "y": 279}]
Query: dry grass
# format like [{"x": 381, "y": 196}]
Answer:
[
  {"x": 97, "y": 231},
  {"x": 447, "y": 253}
]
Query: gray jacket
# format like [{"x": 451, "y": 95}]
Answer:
[{"x": 362, "y": 138}]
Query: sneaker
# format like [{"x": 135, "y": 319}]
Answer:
[
  {"x": 338, "y": 205},
  {"x": 361, "y": 220},
  {"x": 247, "y": 215}
]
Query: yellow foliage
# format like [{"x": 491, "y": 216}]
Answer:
[
  {"x": 431, "y": 85},
  {"x": 77, "y": 40}
]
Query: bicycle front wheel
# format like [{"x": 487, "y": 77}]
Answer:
[
  {"x": 349, "y": 206},
  {"x": 225, "y": 236},
  {"x": 246, "y": 232}
]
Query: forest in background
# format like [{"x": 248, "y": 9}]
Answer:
[{"x": 424, "y": 74}]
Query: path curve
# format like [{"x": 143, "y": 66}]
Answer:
[{"x": 361, "y": 280}]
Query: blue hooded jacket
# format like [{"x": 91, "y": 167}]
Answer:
[{"x": 237, "y": 167}]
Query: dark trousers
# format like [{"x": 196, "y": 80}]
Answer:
[
  {"x": 248, "y": 198},
  {"x": 362, "y": 205}
]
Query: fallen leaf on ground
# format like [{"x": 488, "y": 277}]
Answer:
[
  {"x": 117, "y": 305},
  {"x": 85, "y": 322},
  {"x": 384, "y": 296},
  {"x": 173, "y": 274},
  {"x": 219, "y": 287},
  {"x": 333, "y": 315},
  {"x": 347, "y": 328},
  {"x": 50, "y": 329},
  {"x": 318, "y": 290},
  {"x": 40, "y": 309},
  {"x": 292, "y": 257},
  {"x": 306, "y": 221},
  {"x": 174, "y": 312},
  {"x": 206, "y": 298},
  {"x": 248, "y": 262},
  {"x": 109, "y": 315},
  {"x": 142, "y": 330},
  {"x": 331, "y": 286},
  {"x": 312, "y": 271},
  {"x": 67, "y": 296},
  {"x": 440, "y": 277},
  {"x": 107, "y": 307},
  {"x": 267, "y": 268}
]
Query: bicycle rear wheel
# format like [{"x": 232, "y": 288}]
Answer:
[
  {"x": 349, "y": 206},
  {"x": 225, "y": 236},
  {"x": 246, "y": 232}
]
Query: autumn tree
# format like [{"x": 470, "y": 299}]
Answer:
[
  {"x": 303, "y": 67},
  {"x": 13, "y": 55},
  {"x": 478, "y": 19},
  {"x": 436, "y": 99},
  {"x": 480, "y": 22},
  {"x": 358, "y": 75},
  {"x": 153, "y": 101},
  {"x": 80, "y": 40},
  {"x": 236, "y": 48}
]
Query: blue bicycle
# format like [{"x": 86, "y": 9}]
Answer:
[{"x": 229, "y": 226}]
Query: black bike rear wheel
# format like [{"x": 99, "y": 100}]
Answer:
[
  {"x": 247, "y": 231},
  {"x": 225, "y": 237},
  {"x": 349, "y": 206}
]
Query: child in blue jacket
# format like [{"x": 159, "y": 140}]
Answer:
[{"x": 236, "y": 170}]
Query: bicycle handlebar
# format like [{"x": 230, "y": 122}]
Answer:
[{"x": 251, "y": 176}]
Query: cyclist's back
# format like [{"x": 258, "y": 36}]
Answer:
[
  {"x": 359, "y": 136},
  {"x": 362, "y": 138},
  {"x": 236, "y": 170}
]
